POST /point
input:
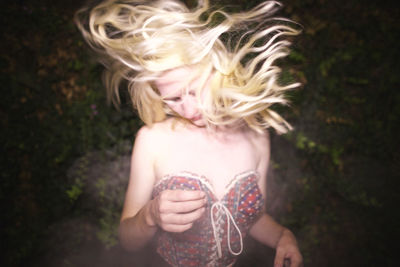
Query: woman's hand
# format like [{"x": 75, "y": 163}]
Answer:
[
  {"x": 287, "y": 251},
  {"x": 176, "y": 210}
]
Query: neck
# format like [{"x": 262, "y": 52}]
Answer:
[{"x": 214, "y": 132}]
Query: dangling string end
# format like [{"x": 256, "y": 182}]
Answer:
[{"x": 229, "y": 218}]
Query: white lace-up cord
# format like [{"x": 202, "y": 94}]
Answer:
[{"x": 219, "y": 206}]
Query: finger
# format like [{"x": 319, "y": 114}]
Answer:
[
  {"x": 296, "y": 261},
  {"x": 279, "y": 258},
  {"x": 182, "y": 195},
  {"x": 182, "y": 218},
  {"x": 183, "y": 206},
  {"x": 175, "y": 228}
]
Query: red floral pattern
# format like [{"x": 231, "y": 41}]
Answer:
[{"x": 198, "y": 245}]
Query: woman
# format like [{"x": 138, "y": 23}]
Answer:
[{"x": 198, "y": 171}]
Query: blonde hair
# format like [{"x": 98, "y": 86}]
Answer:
[{"x": 138, "y": 40}]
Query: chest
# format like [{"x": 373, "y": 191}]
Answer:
[{"x": 220, "y": 160}]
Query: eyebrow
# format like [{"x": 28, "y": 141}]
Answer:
[{"x": 166, "y": 83}]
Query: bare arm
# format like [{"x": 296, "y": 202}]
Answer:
[
  {"x": 266, "y": 230},
  {"x": 136, "y": 227}
]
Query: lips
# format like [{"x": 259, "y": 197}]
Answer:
[{"x": 196, "y": 118}]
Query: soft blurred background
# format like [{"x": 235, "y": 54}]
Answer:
[{"x": 65, "y": 153}]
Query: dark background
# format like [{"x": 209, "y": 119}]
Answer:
[{"x": 65, "y": 154}]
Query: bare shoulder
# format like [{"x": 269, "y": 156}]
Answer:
[
  {"x": 153, "y": 135},
  {"x": 144, "y": 136}
]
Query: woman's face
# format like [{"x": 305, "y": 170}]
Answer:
[{"x": 178, "y": 88}]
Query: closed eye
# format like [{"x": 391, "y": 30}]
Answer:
[{"x": 173, "y": 99}]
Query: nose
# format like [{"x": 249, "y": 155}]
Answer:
[{"x": 189, "y": 106}]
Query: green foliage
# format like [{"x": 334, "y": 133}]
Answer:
[
  {"x": 53, "y": 110},
  {"x": 297, "y": 57},
  {"x": 75, "y": 191},
  {"x": 346, "y": 123},
  {"x": 109, "y": 223},
  {"x": 78, "y": 186}
]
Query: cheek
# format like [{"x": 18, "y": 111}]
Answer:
[{"x": 175, "y": 107}]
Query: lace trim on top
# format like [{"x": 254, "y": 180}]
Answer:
[{"x": 204, "y": 180}]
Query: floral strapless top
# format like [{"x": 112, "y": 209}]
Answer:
[{"x": 217, "y": 237}]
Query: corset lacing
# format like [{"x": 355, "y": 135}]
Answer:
[{"x": 215, "y": 225}]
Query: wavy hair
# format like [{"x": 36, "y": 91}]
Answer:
[{"x": 138, "y": 40}]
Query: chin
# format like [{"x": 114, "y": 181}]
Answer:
[{"x": 199, "y": 123}]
